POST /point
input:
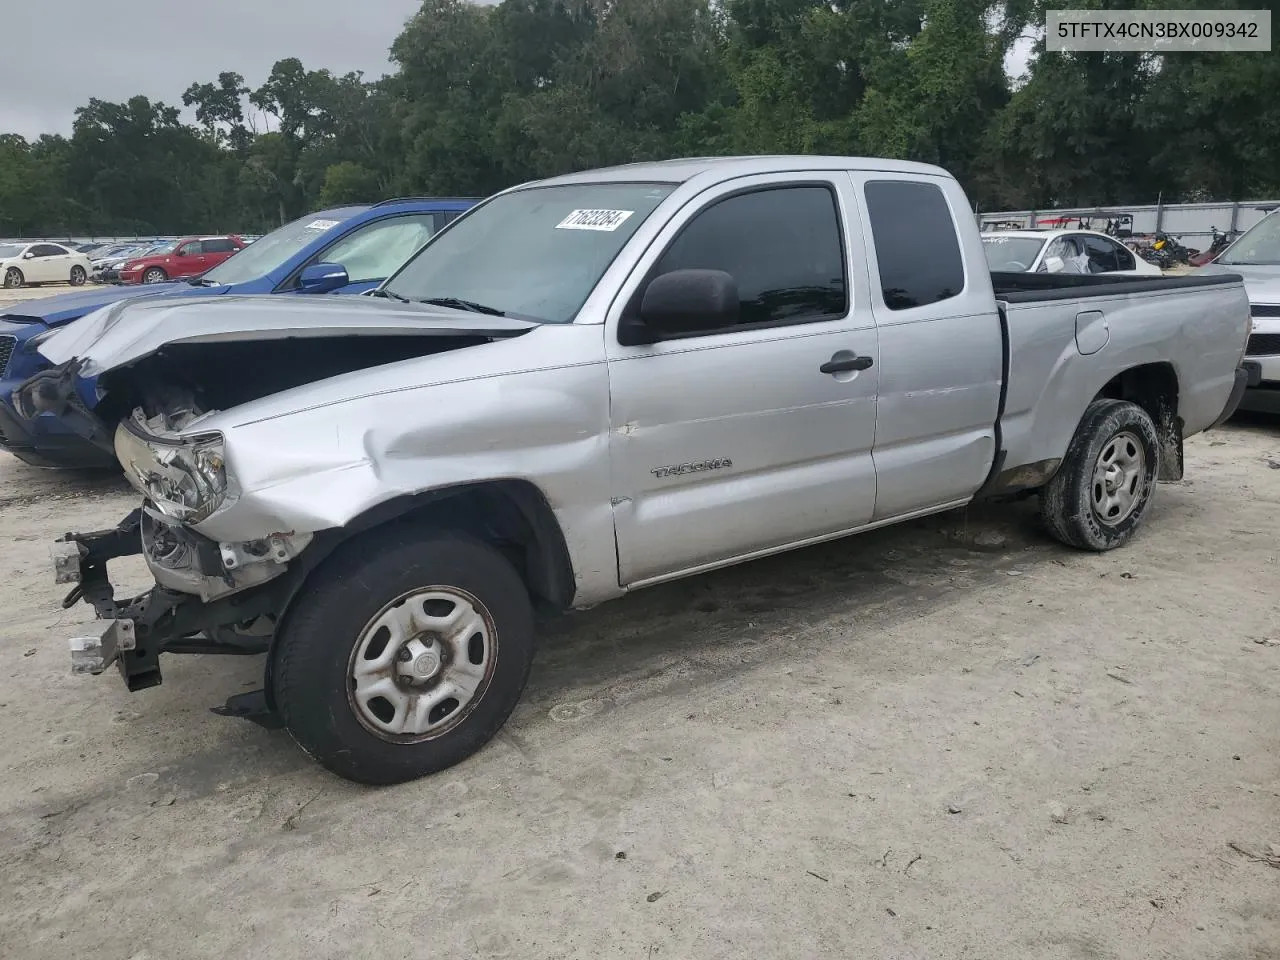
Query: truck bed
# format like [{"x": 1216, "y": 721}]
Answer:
[{"x": 1070, "y": 336}]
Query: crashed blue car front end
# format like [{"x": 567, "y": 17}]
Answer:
[
  {"x": 344, "y": 250},
  {"x": 44, "y": 440}
]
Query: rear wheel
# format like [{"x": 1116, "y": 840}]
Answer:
[
  {"x": 406, "y": 653},
  {"x": 78, "y": 276},
  {"x": 13, "y": 278},
  {"x": 154, "y": 275},
  {"x": 1101, "y": 492}
]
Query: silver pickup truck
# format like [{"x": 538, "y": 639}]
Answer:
[{"x": 587, "y": 385}]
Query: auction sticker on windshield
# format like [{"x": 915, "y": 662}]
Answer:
[
  {"x": 606, "y": 220},
  {"x": 322, "y": 224}
]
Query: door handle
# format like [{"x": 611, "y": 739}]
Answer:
[{"x": 843, "y": 364}]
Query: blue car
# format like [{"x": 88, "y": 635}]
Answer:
[{"x": 344, "y": 250}]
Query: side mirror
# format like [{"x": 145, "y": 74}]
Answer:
[
  {"x": 323, "y": 277},
  {"x": 688, "y": 301},
  {"x": 28, "y": 255}
]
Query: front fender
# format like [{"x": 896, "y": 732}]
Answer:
[{"x": 320, "y": 469}]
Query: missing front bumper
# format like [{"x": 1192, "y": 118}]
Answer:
[{"x": 133, "y": 633}]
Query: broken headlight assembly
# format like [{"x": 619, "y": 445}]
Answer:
[{"x": 185, "y": 477}]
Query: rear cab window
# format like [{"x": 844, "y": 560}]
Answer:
[{"x": 916, "y": 245}]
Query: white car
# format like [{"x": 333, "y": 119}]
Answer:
[
  {"x": 31, "y": 263},
  {"x": 1062, "y": 251}
]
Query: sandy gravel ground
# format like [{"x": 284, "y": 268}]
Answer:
[
  {"x": 896, "y": 746},
  {"x": 10, "y": 297}
]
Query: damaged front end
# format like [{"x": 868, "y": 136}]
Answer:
[
  {"x": 133, "y": 632},
  {"x": 154, "y": 384},
  {"x": 209, "y": 597}
]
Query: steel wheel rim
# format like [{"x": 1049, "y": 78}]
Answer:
[
  {"x": 421, "y": 664},
  {"x": 1119, "y": 479}
]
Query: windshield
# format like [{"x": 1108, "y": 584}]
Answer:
[
  {"x": 267, "y": 253},
  {"x": 535, "y": 253},
  {"x": 1011, "y": 254},
  {"x": 10, "y": 250},
  {"x": 1259, "y": 245}
]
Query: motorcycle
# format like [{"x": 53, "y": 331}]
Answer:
[
  {"x": 1167, "y": 251},
  {"x": 1219, "y": 243}
]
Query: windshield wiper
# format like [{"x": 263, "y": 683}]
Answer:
[
  {"x": 202, "y": 282},
  {"x": 458, "y": 304},
  {"x": 389, "y": 295}
]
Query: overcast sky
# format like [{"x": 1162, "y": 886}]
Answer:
[{"x": 56, "y": 54}]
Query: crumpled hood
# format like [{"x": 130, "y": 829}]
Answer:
[
  {"x": 1261, "y": 282},
  {"x": 55, "y": 311},
  {"x": 121, "y": 334}
]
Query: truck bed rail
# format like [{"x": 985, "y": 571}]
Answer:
[{"x": 1033, "y": 287}]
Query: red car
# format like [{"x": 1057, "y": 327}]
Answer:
[{"x": 188, "y": 257}]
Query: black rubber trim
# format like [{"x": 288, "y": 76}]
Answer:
[
  {"x": 997, "y": 462},
  {"x": 1038, "y": 287},
  {"x": 1237, "y": 394}
]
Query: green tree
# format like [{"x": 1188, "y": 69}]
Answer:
[
  {"x": 348, "y": 182},
  {"x": 485, "y": 96}
]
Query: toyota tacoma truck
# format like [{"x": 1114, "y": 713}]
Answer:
[{"x": 587, "y": 385}]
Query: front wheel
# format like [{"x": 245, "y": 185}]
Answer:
[
  {"x": 154, "y": 275},
  {"x": 406, "y": 653},
  {"x": 78, "y": 276},
  {"x": 13, "y": 278},
  {"x": 1099, "y": 495}
]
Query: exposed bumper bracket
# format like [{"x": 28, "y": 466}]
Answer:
[
  {"x": 132, "y": 633},
  {"x": 66, "y": 561},
  {"x": 93, "y": 654},
  {"x": 81, "y": 558}
]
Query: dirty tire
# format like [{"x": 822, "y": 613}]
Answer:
[
  {"x": 13, "y": 278},
  {"x": 78, "y": 276},
  {"x": 313, "y": 660},
  {"x": 1067, "y": 502},
  {"x": 154, "y": 275}
]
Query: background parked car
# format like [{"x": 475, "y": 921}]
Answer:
[
  {"x": 346, "y": 250},
  {"x": 1256, "y": 257},
  {"x": 106, "y": 268},
  {"x": 187, "y": 257},
  {"x": 28, "y": 264},
  {"x": 1061, "y": 251}
]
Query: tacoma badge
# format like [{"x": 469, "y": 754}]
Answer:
[{"x": 698, "y": 466}]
